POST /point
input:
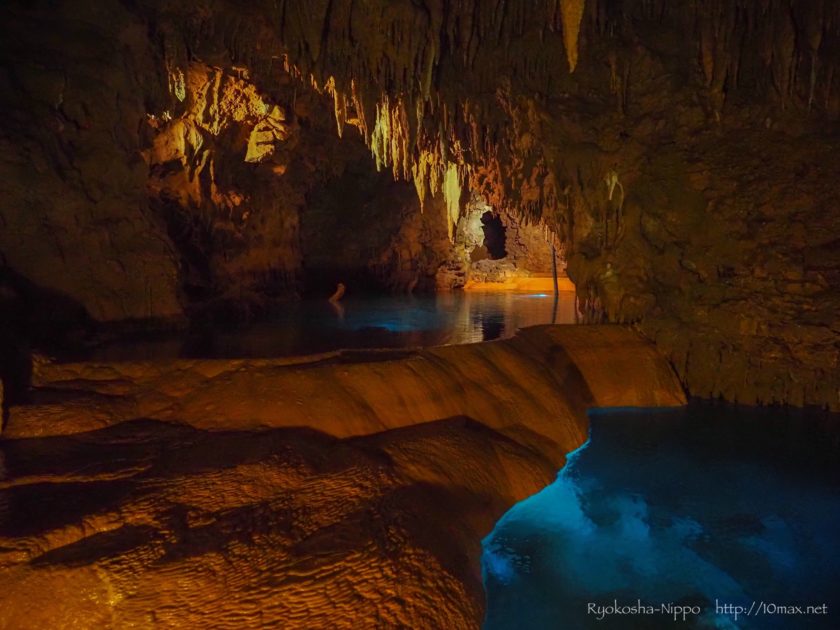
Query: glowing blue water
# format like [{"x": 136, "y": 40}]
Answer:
[
  {"x": 691, "y": 506},
  {"x": 361, "y": 322}
]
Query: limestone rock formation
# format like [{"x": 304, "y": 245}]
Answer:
[
  {"x": 222, "y": 179},
  {"x": 74, "y": 216},
  {"x": 364, "y": 228},
  {"x": 336, "y": 491},
  {"x": 718, "y": 120}
]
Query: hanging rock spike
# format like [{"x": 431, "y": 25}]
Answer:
[{"x": 572, "y": 13}]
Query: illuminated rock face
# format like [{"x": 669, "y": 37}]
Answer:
[
  {"x": 522, "y": 249},
  {"x": 671, "y": 164},
  {"x": 303, "y": 493},
  {"x": 224, "y": 178}
]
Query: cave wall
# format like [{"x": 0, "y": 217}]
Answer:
[
  {"x": 217, "y": 180},
  {"x": 682, "y": 153},
  {"x": 367, "y": 231},
  {"x": 74, "y": 218},
  {"x": 230, "y": 170},
  {"x": 528, "y": 245},
  {"x": 470, "y": 263},
  {"x": 146, "y": 176}
]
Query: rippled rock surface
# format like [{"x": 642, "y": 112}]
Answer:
[{"x": 348, "y": 490}]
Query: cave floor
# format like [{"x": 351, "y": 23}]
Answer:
[{"x": 342, "y": 490}]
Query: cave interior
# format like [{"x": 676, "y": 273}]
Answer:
[{"x": 299, "y": 298}]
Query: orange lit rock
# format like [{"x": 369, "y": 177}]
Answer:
[
  {"x": 349, "y": 490},
  {"x": 572, "y": 12},
  {"x": 718, "y": 120}
]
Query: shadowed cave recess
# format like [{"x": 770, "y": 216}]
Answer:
[{"x": 184, "y": 186}]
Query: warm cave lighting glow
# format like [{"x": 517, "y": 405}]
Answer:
[{"x": 427, "y": 315}]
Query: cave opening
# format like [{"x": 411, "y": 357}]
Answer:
[{"x": 494, "y": 236}]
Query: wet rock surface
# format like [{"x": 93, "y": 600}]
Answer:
[
  {"x": 334, "y": 491},
  {"x": 169, "y": 526}
]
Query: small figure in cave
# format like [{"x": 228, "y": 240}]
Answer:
[
  {"x": 413, "y": 284},
  {"x": 339, "y": 293},
  {"x": 335, "y": 300}
]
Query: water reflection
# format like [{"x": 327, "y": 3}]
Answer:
[
  {"x": 364, "y": 322},
  {"x": 689, "y": 506}
]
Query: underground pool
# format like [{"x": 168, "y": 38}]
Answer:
[
  {"x": 707, "y": 516},
  {"x": 359, "y": 322}
]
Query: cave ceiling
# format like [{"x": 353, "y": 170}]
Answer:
[{"x": 680, "y": 153}]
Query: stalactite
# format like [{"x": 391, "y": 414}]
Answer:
[
  {"x": 339, "y": 105},
  {"x": 572, "y": 12},
  {"x": 402, "y": 74},
  {"x": 814, "y": 32},
  {"x": 452, "y": 196}
]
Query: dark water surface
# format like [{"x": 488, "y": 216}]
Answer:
[
  {"x": 313, "y": 326},
  {"x": 695, "y": 506}
]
